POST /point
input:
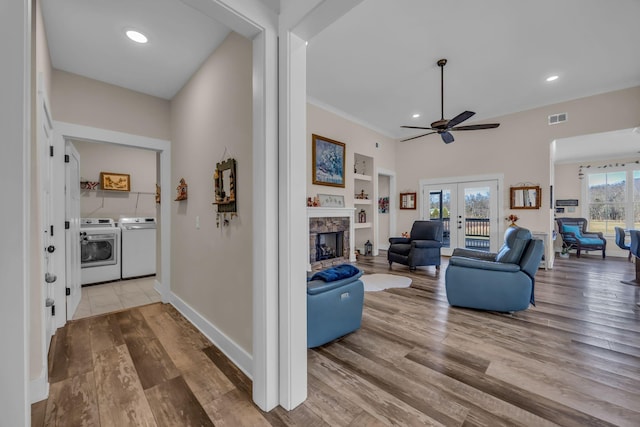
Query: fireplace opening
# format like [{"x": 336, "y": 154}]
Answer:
[{"x": 329, "y": 245}]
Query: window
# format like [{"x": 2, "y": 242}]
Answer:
[{"x": 611, "y": 201}]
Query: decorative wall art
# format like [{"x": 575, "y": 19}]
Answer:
[
  {"x": 331, "y": 201},
  {"x": 383, "y": 205},
  {"x": 182, "y": 190},
  {"x": 224, "y": 179},
  {"x": 526, "y": 197},
  {"x": 328, "y": 161},
  {"x": 157, "y": 193},
  {"x": 407, "y": 200},
  {"x": 115, "y": 181}
]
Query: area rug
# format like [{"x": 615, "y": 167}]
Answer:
[{"x": 380, "y": 282}]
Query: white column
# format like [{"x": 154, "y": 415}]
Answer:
[{"x": 292, "y": 178}]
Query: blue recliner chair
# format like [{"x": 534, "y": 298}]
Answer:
[
  {"x": 422, "y": 247},
  {"x": 334, "y": 307},
  {"x": 502, "y": 281}
]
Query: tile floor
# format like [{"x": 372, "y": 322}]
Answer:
[{"x": 114, "y": 296}]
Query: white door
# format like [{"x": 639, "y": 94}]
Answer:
[
  {"x": 45, "y": 169},
  {"x": 469, "y": 211},
  {"x": 72, "y": 234}
]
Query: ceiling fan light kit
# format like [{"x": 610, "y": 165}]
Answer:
[{"x": 444, "y": 126}]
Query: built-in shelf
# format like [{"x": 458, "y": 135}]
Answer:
[
  {"x": 361, "y": 201},
  {"x": 362, "y": 177},
  {"x": 358, "y": 225}
]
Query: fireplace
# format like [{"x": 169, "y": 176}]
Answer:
[
  {"x": 329, "y": 245},
  {"x": 337, "y": 222}
]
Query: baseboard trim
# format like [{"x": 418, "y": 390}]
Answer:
[
  {"x": 39, "y": 389},
  {"x": 235, "y": 353}
]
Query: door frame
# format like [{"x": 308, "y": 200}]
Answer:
[
  {"x": 392, "y": 209},
  {"x": 499, "y": 177},
  {"x": 74, "y": 228},
  {"x": 64, "y": 132}
]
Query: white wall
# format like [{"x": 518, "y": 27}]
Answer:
[
  {"x": 519, "y": 148},
  {"x": 138, "y": 163},
  {"x": 83, "y": 101},
  {"x": 211, "y": 266}
]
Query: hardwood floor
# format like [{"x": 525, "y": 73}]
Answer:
[{"x": 572, "y": 360}]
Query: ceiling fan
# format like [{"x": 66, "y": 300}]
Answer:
[{"x": 443, "y": 126}]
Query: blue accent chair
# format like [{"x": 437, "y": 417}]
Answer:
[
  {"x": 620, "y": 241},
  {"x": 334, "y": 309},
  {"x": 575, "y": 235},
  {"x": 502, "y": 281}
]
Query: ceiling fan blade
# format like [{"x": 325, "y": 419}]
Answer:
[
  {"x": 477, "y": 127},
  {"x": 419, "y": 136},
  {"x": 460, "y": 118},
  {"x": 447, "y": 137},
  {"x": 415, "y": 127}
]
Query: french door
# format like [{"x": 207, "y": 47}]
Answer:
[{"x": 469, "y": 211}]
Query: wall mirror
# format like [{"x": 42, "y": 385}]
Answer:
[
  {"x": 407, "y": 200},
  {"x": 225, "y": 185},
  {"x": 528, "y": 197}
]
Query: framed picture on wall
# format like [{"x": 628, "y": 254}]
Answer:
[
  {"x": 115, "y": 181},
  {"x": 328, "y": 161},
  {"x": 407, "y": 200}
]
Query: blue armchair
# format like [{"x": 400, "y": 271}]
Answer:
[
  {"x": 422, "y": 247},
  {"x": 334, "y": 308},
  {"x": 502, "y": 281}
]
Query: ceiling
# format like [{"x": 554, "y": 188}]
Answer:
[{"x": 377, "y": 64}]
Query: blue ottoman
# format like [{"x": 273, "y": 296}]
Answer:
[{"x": 334, "y": 308}]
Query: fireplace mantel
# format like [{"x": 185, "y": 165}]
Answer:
[{"x": 334, "y": 213}]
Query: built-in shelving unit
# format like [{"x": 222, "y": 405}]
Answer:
[{"x": 363, "y": 199}]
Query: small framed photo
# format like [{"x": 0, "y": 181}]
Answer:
[
  {"x": 331, "y": 201},
  {"x": 328, "y": 161},
  {"x": 115, "y": 181},
  {"x": 407, "y": 200}
]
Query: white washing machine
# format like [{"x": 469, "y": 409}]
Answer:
[
  {"x": 99, "y": 250},
  {"x": 138, "y": 246}
]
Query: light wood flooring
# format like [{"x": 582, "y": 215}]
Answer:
[{"x": 572, "y": 360}]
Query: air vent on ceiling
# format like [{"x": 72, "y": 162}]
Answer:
[{"x": 554, "y": 119}]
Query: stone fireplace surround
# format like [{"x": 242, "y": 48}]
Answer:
[{"x": 326, "y": 220}]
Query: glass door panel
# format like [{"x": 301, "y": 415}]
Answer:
[{"x": 469, "y": 212}]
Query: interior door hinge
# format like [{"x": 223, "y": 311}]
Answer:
[
  {"x": 51, "y": 151},
  {"x": 67, "y": 291},
  {"x": 66, "y": 158},
  {"x": 67, "y": 225}
]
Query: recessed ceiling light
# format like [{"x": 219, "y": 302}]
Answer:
[
  {"x": 416, "y": 115},
  {"x": 552, "y": 78},
  {"x": 137, "y": 36}
]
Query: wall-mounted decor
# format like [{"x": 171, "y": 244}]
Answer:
[
  {"x": 567, "y": 202},
  {"x": 182, "y": 190},
  {"x": 328, "y": 161},
  {"x": 383, "y": 205},
  {"x": 224, "y": 179},
  {"x": 115, "y": 181},
  {"x": 157, "y": 193},
  {"x": 407, "y": 200},
  {"x": 331, "y": 201},
  {"x": 89, "y": 185},
  {"x": 526, "y": 197}
]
